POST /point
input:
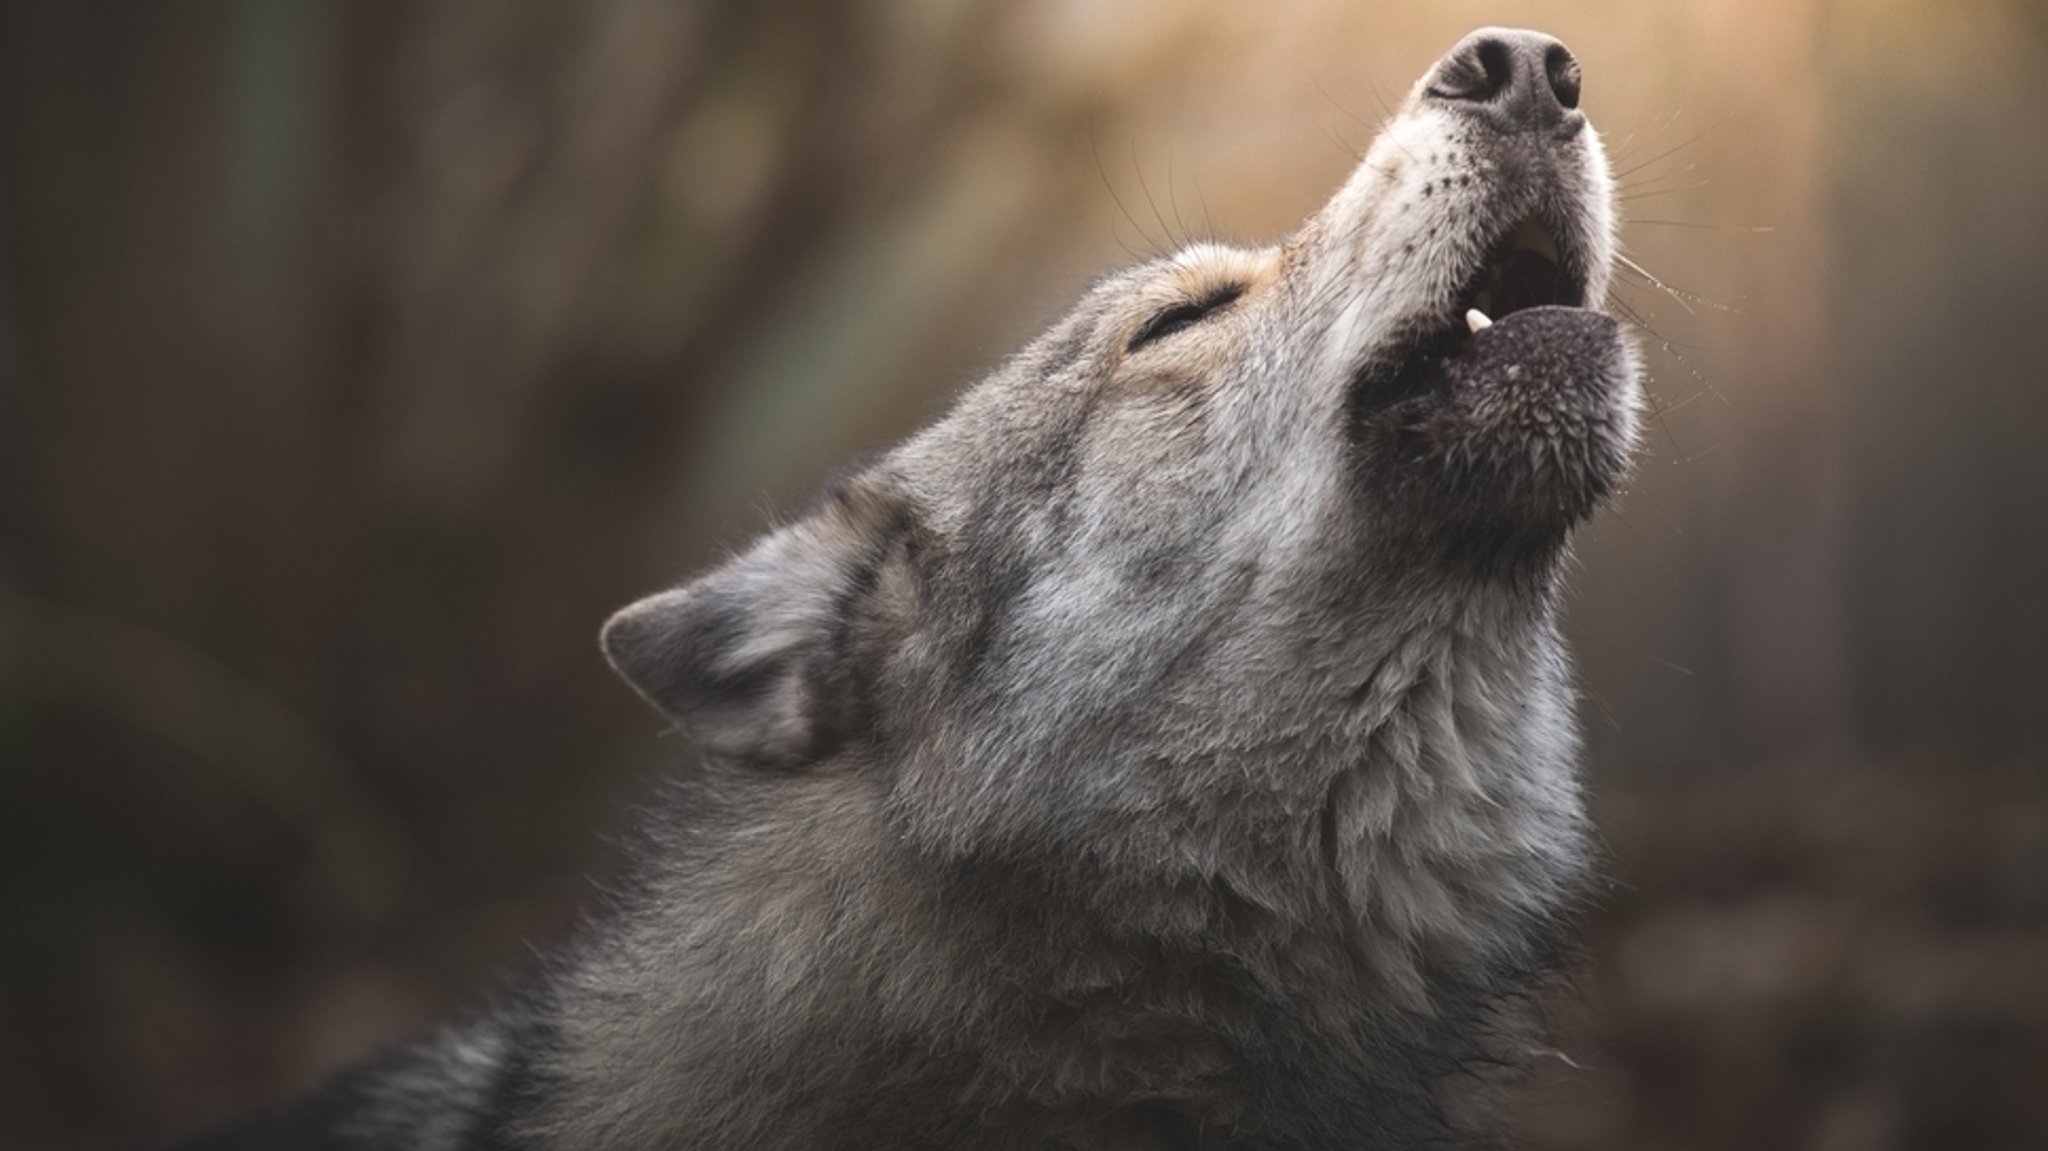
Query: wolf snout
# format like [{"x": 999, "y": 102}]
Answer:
[{"x": 1512, "y": 78}]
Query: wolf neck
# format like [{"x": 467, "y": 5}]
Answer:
[
  {"x": 1454, "y": 833},
  {"x": 1424, "y": 802}
]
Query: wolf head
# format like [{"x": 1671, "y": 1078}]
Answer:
[{"x": 1151, "y": 588}]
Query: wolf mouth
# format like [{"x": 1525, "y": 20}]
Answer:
[
  {"x": 1522, "y": 269},
  {"x": 1526, "y": 266}
]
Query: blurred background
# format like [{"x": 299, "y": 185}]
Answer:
[{"x": 357, "y": 360}]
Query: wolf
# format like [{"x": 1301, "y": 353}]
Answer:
[{"x": 1169, "y": 747}]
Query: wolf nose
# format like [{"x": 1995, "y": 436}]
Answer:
[{"x": 1516, "y": 80}]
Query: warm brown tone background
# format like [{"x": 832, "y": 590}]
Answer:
[{"x": 356, "y": 360}]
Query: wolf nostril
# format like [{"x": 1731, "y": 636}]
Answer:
[
  {"x": 1479, "y": 72},
  {"x": 1516, "y": 79},
  {"x": 1499, "y": 66},
  {"x": 1562, "y": 68}
]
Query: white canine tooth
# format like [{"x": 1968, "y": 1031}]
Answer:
[{"x": 1477, "y": 321}]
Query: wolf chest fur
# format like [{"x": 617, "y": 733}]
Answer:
[{"x": 1171, "y": 746}]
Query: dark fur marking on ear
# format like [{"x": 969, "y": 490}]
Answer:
[{"x": 847, "y": 686}]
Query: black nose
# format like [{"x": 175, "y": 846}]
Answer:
[{"x": 1516, "y": 80}]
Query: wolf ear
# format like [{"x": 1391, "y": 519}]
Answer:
[{"x": 753, "y": 659}]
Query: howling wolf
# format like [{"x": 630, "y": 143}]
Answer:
[{"x": 1171, "y": 747}]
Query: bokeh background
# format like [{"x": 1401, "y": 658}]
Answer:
[{"x": 357, "y": 359}]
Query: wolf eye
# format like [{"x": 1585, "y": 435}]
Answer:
[{"x": 1183, "y": 315}]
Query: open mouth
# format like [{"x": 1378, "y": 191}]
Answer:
[{"x": 1524, "y": 268}]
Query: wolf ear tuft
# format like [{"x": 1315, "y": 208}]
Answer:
[{"x": 751, "y": 659}]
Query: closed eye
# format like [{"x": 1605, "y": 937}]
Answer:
[{"x": 1184, "y": 315}]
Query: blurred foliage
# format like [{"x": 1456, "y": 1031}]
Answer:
[{"x": 357, "y": 360}]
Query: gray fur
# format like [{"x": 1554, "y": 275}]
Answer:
[{"x": 1169, "y": 747}]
